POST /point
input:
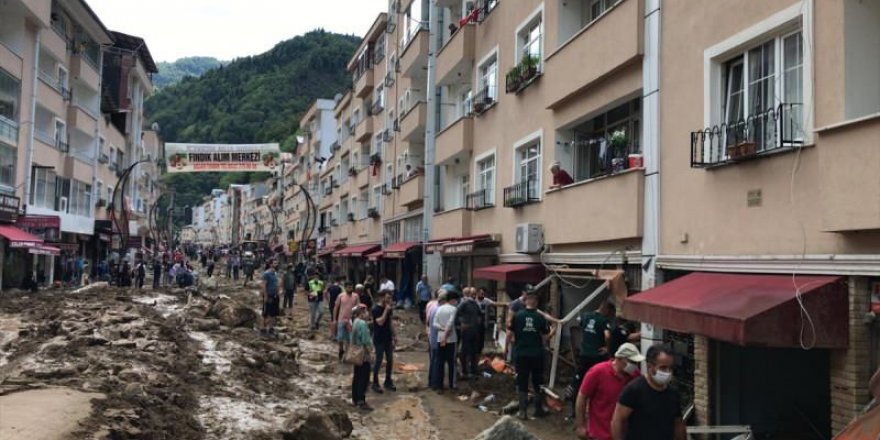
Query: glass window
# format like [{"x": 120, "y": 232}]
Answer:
[
  {"x": 595, "y": 8},
  {"x": 486, "y": 179},
  {"x": 530, "y": 40},
  {"x": 7, "y": 166},
  {"x": 488, "y": 81},
  {"x": 10, "y": 96},
  {"x": 528, "y": 168},
  {"x": 609, "y": 137}
]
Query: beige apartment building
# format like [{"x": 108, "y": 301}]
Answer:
[
  {"x": 65, "y": 105},
  {"x": 724, "y": 157}
]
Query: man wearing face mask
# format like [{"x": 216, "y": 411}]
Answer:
[
  {"x": 648, "y": 409},
  {"x": 601, "y": 388}
]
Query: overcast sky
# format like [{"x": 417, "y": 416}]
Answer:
[{"x": 227, "y": 29}]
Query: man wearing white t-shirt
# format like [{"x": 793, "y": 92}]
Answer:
[{"x": 387, "y": 286}]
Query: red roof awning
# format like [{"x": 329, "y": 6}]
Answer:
[
  {"x": 18, "y": 238},
  {"x": 398, "y": 251},
  {"x": 375, "y": 256},
  {"x": 748, "y": 310},
  {"x": 41, "y": 249},
  {"x": 356, "y": 251},
  {"x": 522, "y": 273}
]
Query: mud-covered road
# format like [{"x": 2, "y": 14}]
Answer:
[{"x": 168, "y": 364}]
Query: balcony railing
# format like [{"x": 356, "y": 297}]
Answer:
[
  {"x": 62, "y": 146},
  {"x": 521, "y": 194},
  {"x": 760, "y": 133},
  {"x": 103, "y": 158},
  {"x": 481, "y": 199},
  {"x": 8, "y": 130},
  {"x": 523, "y": 74},
  {"x": 376, "y": 108},
  {"x": 50, "y": 79},
  {"x": 484, "y": 99}
]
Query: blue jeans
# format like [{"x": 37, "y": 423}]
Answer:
[{"x": 433, "y": 368}]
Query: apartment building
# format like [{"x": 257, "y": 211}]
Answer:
[
  {"x": 54, "y": 74},
  {"x": 709, "y": 164}
]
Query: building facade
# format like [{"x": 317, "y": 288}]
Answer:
[{"x": 61, "y": 134}]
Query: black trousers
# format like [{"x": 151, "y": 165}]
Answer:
[
  {"x": 386, "y": 350},
  {"x": 470, "y": 350},
  {"x": 423, "y": 305},
  {"x": 359, "y": 382},
  {"x": 446, "y": 355},
  {"x": 529, "y": 367},
  {"x": 288, "y": 299},
  {"x": 157, "y": 276}
]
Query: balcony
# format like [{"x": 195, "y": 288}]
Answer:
[
  {"x": 103, "y": 158},
  {"x": 757, "y": 135},
  {"x": 848, "y": 163},
  {"x": 55, "y": 43},
  {"x": 76, "y": 168},
  {"x": 482, "y": 199},
  {"x": 413, "y": 123},
  {"x": 414, "y": 56},
  {"x": 484, "y": 99},
  {"x": 83, "y": 69},
  {"x": 455, "y": 141},
  {"x": 412, "y": 191},
  {"x": 457, "y": 56},
  {"x": 611, "y": 206},
  {"x": 583, "y": 59},
  {"x": 81, "y": 120},
  {"x": 452, "y": 223},
  {"x": 363, "y": 86},
  {"x": 49, "y": 94},
  {"x": 363, "y": 177},
  {"x": 364, "y": 130},
  {"x": 10, "y": 61},
  {"x": 8, "y": 131},
  {"x": 521, "y": 194}
]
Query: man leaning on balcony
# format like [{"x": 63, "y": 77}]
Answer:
[{"x": 560, "y": 177}]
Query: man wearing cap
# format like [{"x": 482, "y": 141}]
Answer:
[{"x": 601, "y": 387}]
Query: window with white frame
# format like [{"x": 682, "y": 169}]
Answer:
[
  {"x": 762, "y": 85},
  {"x": 8, "y": 158},
  {"x": 379, "y": 99},
  {"x": 80, "y": 199},
  {"x": 343, "y": 209},
  {"x": 376, "y": 199},
  {"x": 486, "y": 181},
  {"x": 43, "y": 188},
  {"x": 530, "y": 40},
  {"x": 10, "y": 96},
  {"x": 346, "y": 166},
  {"x": 528, "y": 166},
  {"x": 595, "y": 8},
  {"x": 363, "y": 203},
  {"x": 488, "y": 80},
  {"x": 602, "y": 144},
  {"x": 60, "y": 134}
]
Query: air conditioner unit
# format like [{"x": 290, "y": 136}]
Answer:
[
  {"x": 62, "y": 204},
  {"x": 529, "y": 238}
]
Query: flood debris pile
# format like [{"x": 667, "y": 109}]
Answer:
[
  {"x": 506, "y": 428},
  {"x": 318, "y": 423}
]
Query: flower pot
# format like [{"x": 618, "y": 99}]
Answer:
[
  {"x": 636, "y": 161},
  {"x": 748, "y": 149},
  {"x": 618, "y": 164}
]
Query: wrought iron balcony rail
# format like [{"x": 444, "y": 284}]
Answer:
[
  {"x": 760, "y": 133},
  {"x": 521, "y": 194},
  {"x": 478, "y": 200}
]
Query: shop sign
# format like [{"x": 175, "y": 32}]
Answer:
[
  {"x": 9, "y": 206},
  {"x": 430, "y": 248},
  {"x": 65, "y": 247},
  {"x": 40, "y": 221},
  {"x": 463, "y": 248}
]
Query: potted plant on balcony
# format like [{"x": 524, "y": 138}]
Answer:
[
  {"x": 375, "y": 159},
  {"x": 529, "y": 68},
  {"x": 513, "y": 79},
  {"x": 373, "y": 213},
  {"x": 353, "y": 172},
  {"x": 619, "y": 144},
  {"x": 351, "y": 216}
]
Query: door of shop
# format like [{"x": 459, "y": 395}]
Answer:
[{"x": 781, "y": 393}]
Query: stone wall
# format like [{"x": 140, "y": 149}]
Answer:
[
  {"x": 850, "y": 368},
  {"x": 701, "y": 380}
]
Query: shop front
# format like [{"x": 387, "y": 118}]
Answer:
[
  {"x": 352, "y": 261},
  {"x": 98, "y": 248},
  {"x": 761, "y": 349},
  {"x": 462, "y": 255},
  {"x": 403, "y": 265},
  {"x": 42, "y": 265}
]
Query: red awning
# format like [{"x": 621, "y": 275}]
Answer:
[
  {"x": 44, "y": 250},
  {"x": 523, "y": 273},
  {"x": 398, "y": 251},
  {"x": 375, "y": 256},
  {"x": 326, "y": 251},
  {"x": 748, "y": 310},
  {"x": 356, "y": 251},
  {"x": 18, "y": 238}
]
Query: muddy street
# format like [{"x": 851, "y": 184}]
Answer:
[{"x": 171, "y": 364}]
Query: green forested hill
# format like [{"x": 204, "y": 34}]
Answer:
[
  {"x": 254, "y": 99},
  {"x": 173, "y": 72}
]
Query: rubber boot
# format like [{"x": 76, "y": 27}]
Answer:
[
  {"x": 523, "y": 406},
  {"x": 539, "y": 405}
]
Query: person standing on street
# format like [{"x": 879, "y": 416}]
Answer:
[
  {"x": 431, "y": 333},
  {"x": 384, "y": 340},
  {"x": 360, "y": 336},
  {"x": 601, "y": 388},
  {"x": 316, "y": 290},
  {"x": 447, "y": 339},
  {"x": 529, "y": 328},
  {"x": 647, "y": 408},
  {"x": 330, "y": 294},
  {"x": 595, "y": 339},
  {"x": 468, "y": 319},
  {"x": 342, "y": 317},
  {"x": 157, "y": 272},
  {"x": 289, "y": 285},
  {"x": 423, "y": 289},
  {"x": 140, "y": 274},
  {"x": 366, "y": 300},
  {"x": 270, "y": 298},
  {"x": 385, "y": 286}
]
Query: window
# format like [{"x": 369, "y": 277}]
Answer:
[
  {"x": 412, "y": 229},
  {"x": 529, "y": 41},
  {"x": 488, "y": 80},
  {"x": 7, "y": 168},
  {"x": 592, "y": 151},
  {"x": 595, "y": 8},
  {"x": 43, "y": 188},
  {"x": 62, "y": 78},
  {"x": 80, "y": 198},
  {"x": 10, "y": 96},
  {"x": 346, "y": 166},
  {"x": 414, "y": 17},
  {"x": 364, "y": 203},
  {"x": 528, "y": 165},
  {"x": 486, "y": 180},
  {"x": 343, "y": 209},
  {"x": 60, "y": 135},
  {"x": 98, "y": 187},
  {"x": 761, "y": 85},
  {"x": 62, "y": 194},
  {"x": 376, "y": 200},
  {"x": 378, "y": 99}
]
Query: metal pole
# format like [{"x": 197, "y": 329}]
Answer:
[
  {"x": 171, "y": 221},
  {"x": 430, "y": 263}
]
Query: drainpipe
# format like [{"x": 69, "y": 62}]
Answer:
[
  {"x": 430, "y": 262},
  {"x": 29, "y": 155},
  {"x": 651, "y": 152}
]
